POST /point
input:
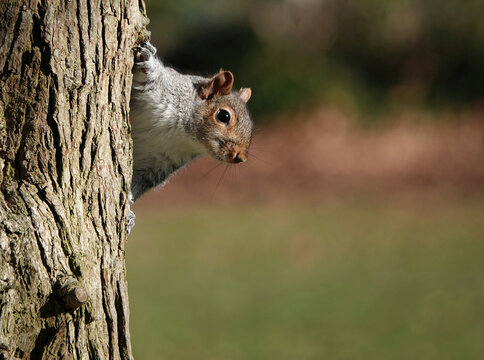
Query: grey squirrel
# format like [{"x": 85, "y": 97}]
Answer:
[{"x": 175, "y": 118}]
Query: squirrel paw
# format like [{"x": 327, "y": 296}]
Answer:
[
  {"x": 143, "y": 53},
  {"x": 130, "y": 218}
]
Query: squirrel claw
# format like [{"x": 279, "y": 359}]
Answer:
[
  {"x": 146, "y": 45},
  {"x": 131, "y": 216},
  {"x": 141, "y": 55},
  {"x": 143, "y": 52}
]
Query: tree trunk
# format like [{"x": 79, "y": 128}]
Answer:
[{"x": 65, "y": 171}]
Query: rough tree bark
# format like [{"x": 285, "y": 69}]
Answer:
[{"x": 65, "y": 170}]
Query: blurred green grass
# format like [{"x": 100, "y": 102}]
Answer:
[{"x": 348, "y": 280}]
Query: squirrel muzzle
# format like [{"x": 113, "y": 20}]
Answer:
[
  {"x": 236, "y": 154},
  {"x": 239, "y": 157}
]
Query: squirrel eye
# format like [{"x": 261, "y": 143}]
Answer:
[{"x": 223, "y": 116}]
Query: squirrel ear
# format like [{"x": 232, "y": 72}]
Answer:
[
  {"x": 220, "y": 84},
  {"x": 245, "y": 94}
]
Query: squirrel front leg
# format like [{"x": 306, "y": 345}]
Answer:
[{"x": 145, "y": 64}]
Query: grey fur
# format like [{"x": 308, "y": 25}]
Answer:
[{"x": 169, "y": 122}]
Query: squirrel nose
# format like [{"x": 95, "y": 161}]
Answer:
[{"x": 239, "y": 157}]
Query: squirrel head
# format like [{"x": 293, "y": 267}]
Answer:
[{"x": 224, "y": 124}]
